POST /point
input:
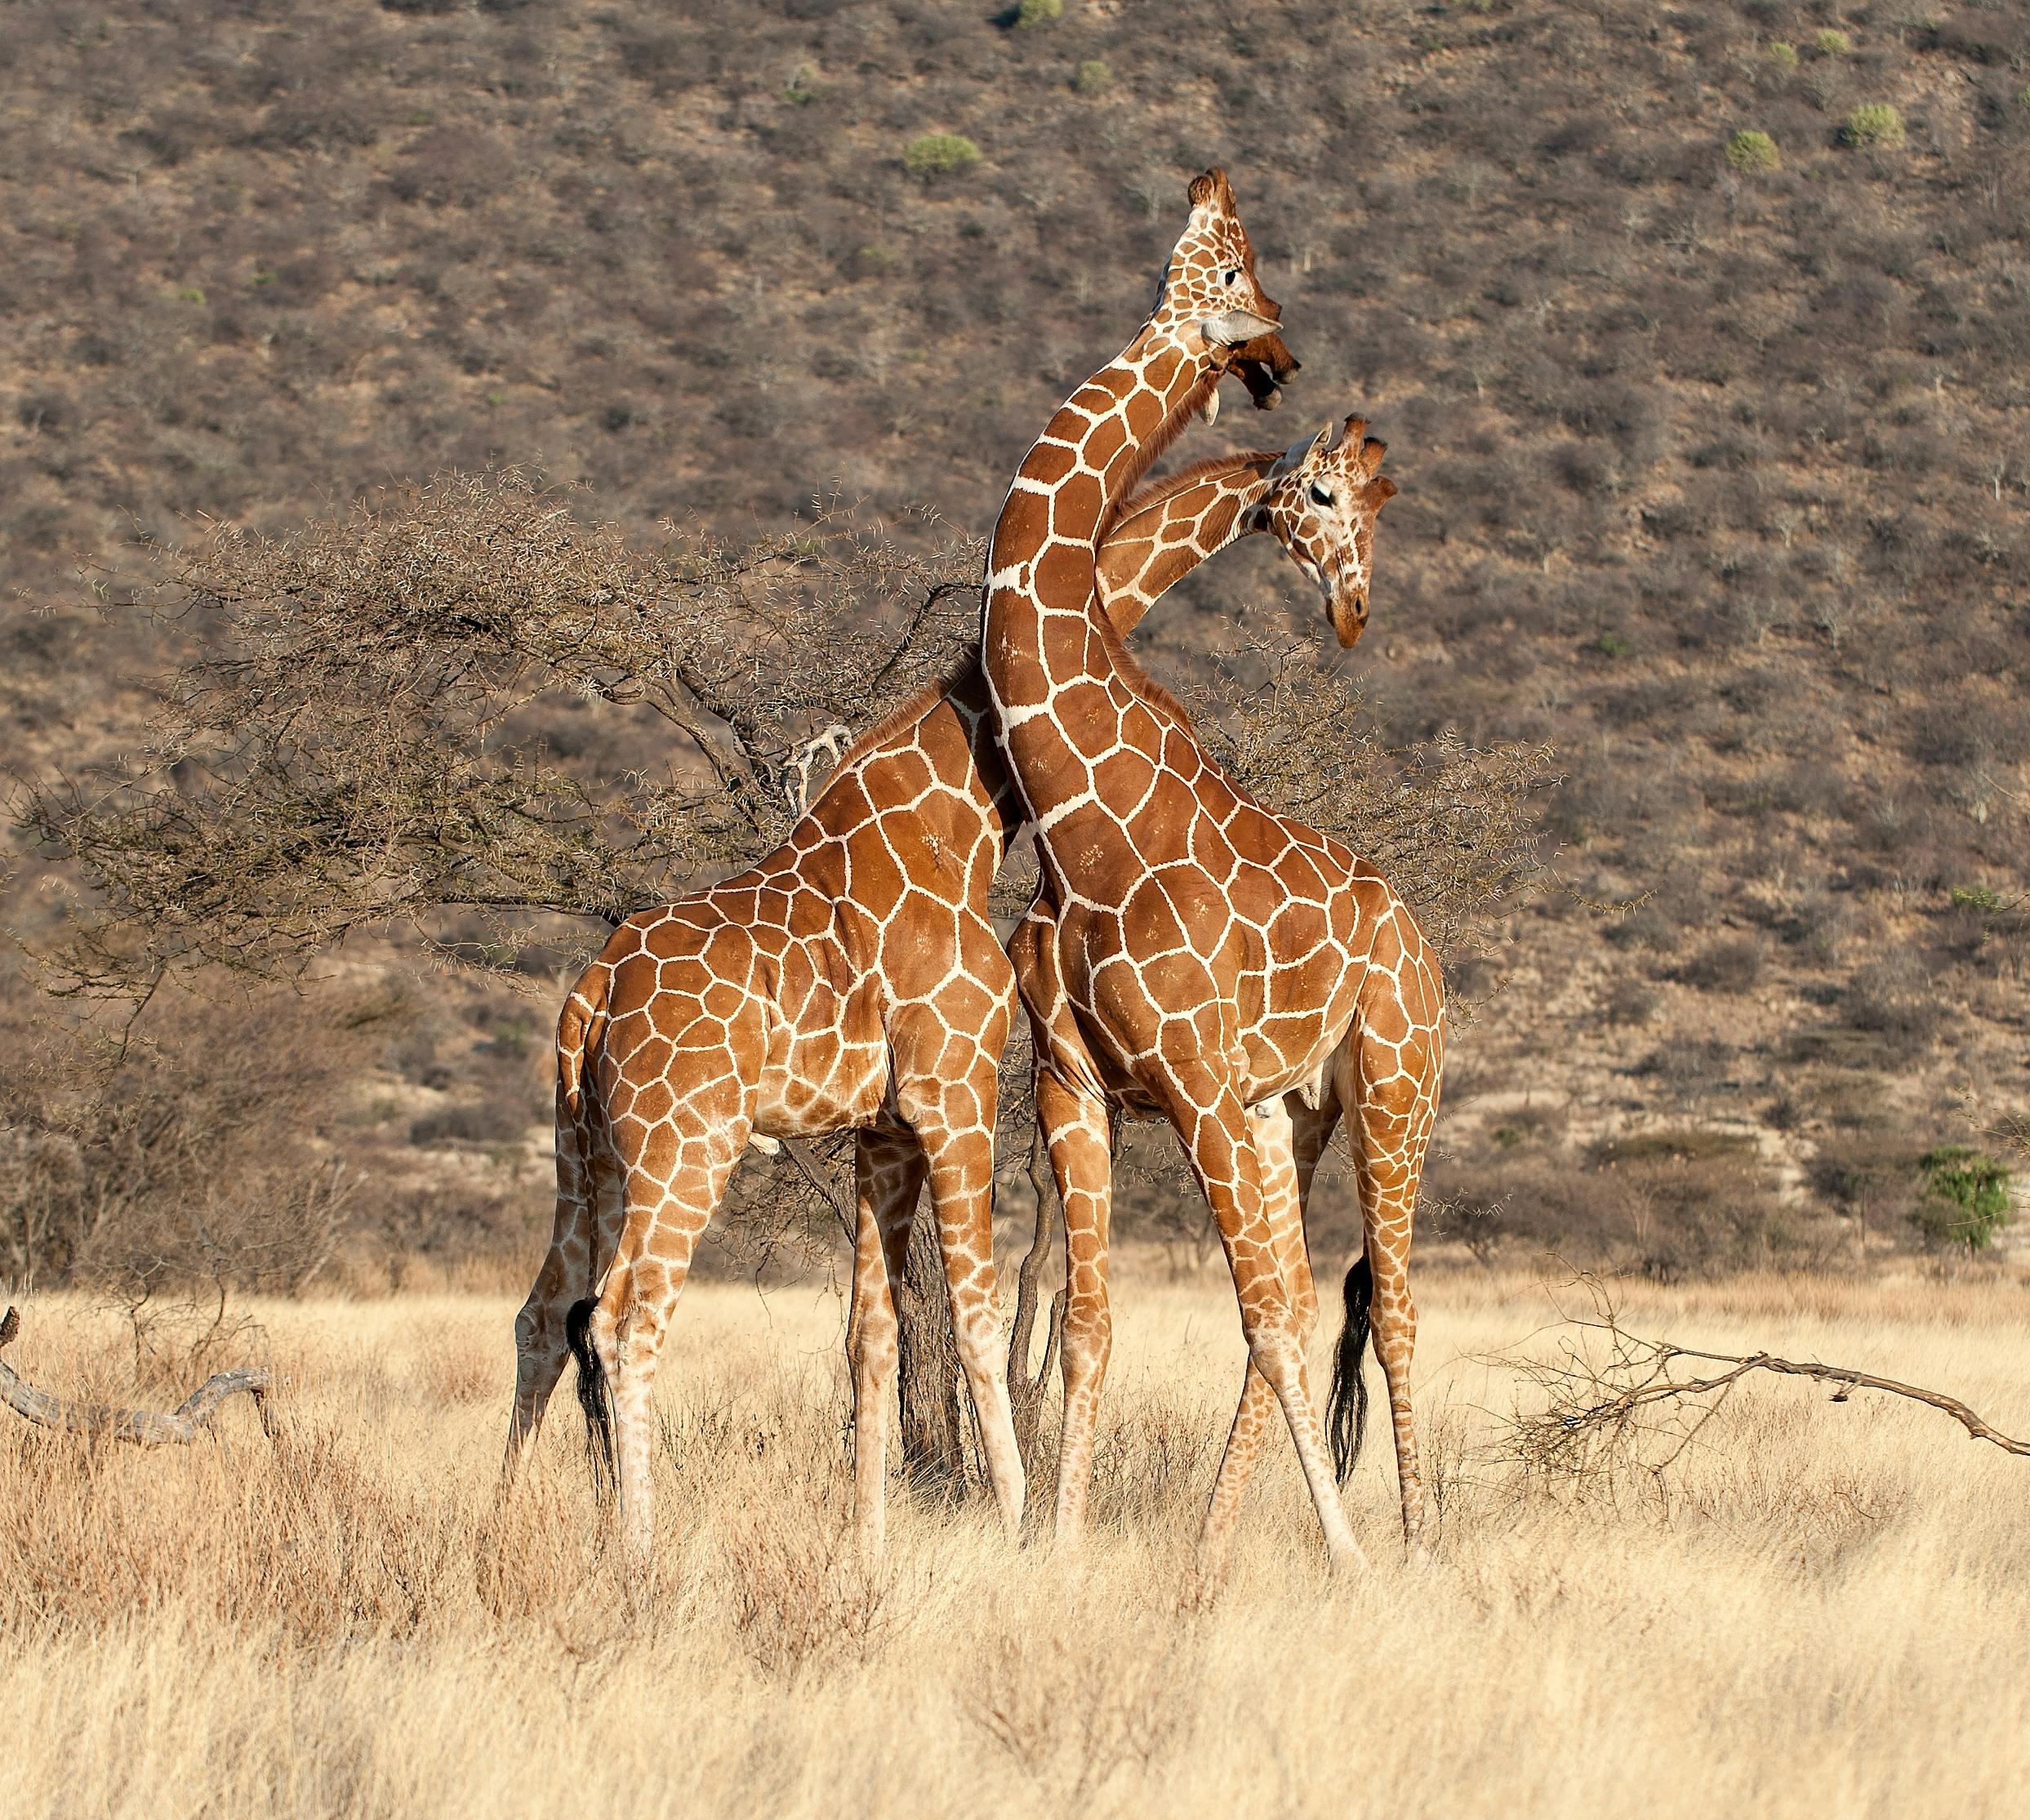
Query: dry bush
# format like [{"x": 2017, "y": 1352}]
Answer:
[
  {"x": 177, "y": 1162},
  {"x": 1074, "y": 1720},
  {"x": 373, "y": 723},
  {"x": 801, "y": 1596}
]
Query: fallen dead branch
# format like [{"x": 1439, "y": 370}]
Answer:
[
  {"x": 1598, "y": 1409},
  {"x": 143, "y": 1427}
]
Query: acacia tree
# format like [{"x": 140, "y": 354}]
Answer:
[{"x": 465, "y": 710}]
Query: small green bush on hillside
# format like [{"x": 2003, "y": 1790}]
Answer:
[
  {"x": 1753, "y": 151},
  {"x": 1094, "y": 77},
  {"x": 1830, "y": 43},
  {"x": 933, "y": 155},
  {"x": 1966, "y": 1198},
  {"x": 1031, "y": 14},
  {"x": 1874, "y": 123},
  {"x": 1783, "y": 55}
]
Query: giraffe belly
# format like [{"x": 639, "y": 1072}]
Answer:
[{"x": 820, "y": 1081}]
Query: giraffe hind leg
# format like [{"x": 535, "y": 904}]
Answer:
[
  {"x": 1207, "y": 1114},
  {"x": 1388, "y": 1088},
  {"x": 542, "y": 1343}
]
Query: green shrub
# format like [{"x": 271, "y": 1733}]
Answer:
[
  {"x": 1031, "y": 14},
  {"x": 1094, "y": 77},
  {"x": 1975, "y": 898},
  {"x": 1830, "y": 43},
  {"x": 1783, "y": 55},
  {"x": 1876, "y": 123},
  {"x": 1966, "y": 1198},
  {"x": 1753, "y": 151},
  {"x": 933, "y": 155}
]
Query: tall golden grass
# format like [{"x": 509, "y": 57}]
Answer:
[{"x": 1820, "y": 1610}]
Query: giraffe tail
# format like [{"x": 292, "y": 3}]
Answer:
[
  {"x": 1347, "y": 1408},
  {"x": 579, "y": 1028},
  {"x": 594, "y": 1396}
]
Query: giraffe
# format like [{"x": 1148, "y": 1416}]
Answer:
[
  {"x": 932, "y": 762},
  {"x": 1191, "y": 954}
]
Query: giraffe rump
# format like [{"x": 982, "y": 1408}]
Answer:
[{"x": 1347, "y": 1408}]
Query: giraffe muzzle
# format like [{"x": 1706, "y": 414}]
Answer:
[{"x": 1347, "y": 608}]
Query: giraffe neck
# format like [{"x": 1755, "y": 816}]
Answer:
[
  {"x": 1168, "y": 530},
  {"x": 1158, "y": 540},
  {"x": 1043, "y": 631}
]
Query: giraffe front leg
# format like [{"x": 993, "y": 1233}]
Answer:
[
  {"x": 1286, "y": 1162},
  {"x": 889, "y": 1168},
  {"x": 1074, "y": 1129},
  {"x": 1208, "y": 1115}
]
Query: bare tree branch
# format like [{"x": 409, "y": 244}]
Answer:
[
  {"x": 143, "y": 1427},
  {"x": 1597, "y": 1408}
]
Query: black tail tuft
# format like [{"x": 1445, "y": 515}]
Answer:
[
  {"x": 1347, "y": 1411},
  {"x": 593, "y": 1397}
]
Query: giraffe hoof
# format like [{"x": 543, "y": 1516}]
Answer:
[{"x": 1345, "y": 1562}]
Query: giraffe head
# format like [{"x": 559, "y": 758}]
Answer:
[
  {"x": 1210, "y": 298},
  {"x": 1265, "y": 366},
  {"x": 1321, "y": 504}
]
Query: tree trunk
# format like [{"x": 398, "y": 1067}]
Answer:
[{"x": 933, "y": 1432}]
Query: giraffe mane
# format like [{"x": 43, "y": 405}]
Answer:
[
  {"x": 905, "y": 712},
  {"x": 1144, "y": 686},
  {"x": 1156, "y": 491}
]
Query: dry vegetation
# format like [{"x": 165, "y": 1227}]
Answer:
[{"x": 1814, "y": 1612}]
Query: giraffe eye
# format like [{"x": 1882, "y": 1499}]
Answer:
[
  {"x": 1231, "y": 278},
  {"x": 1320, "y": 497}
]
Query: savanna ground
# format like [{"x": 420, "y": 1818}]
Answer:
[{"x": 1818, "y": 1610}]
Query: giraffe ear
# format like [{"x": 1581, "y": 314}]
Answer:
[
  {"x": 1380, "y": 491},
  {"x": 1301, "y": 450},
  {"x": 1234, "y": 327}
]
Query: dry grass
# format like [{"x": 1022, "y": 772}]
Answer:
[{"x": 1819, "y": 1612}]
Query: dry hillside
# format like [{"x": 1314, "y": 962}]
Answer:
[{"x": 1714, "y": 448}]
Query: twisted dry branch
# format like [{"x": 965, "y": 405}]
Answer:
[
  {"x": 143, "y": 1427},
  {"x": 1593, "y": 1405}
]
